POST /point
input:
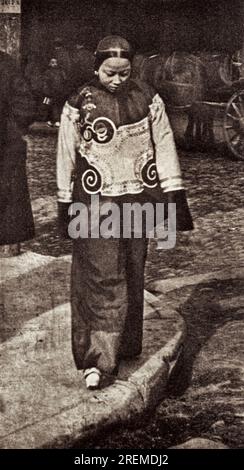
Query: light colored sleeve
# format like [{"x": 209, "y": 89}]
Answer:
[
  {"x": 167, "y": 161},
  {"x": 68, "y": 143}
]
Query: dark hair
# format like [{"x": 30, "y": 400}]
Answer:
[
  {"x": 102, "y": 56},
  {"x": 112, "y": 46}
]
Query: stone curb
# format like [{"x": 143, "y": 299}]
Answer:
[
  {"x": 143, "y": 390},
  {"x": 41, "y": 128},
  {"x": 168, "y": 285}
]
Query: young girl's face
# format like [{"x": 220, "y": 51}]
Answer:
[
  {"x": 114, "y": 72},
  {"x": 53, "y": 63}
]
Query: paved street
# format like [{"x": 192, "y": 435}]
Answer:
[{"x": 211, "y": 305}]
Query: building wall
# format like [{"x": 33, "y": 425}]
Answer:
[
  {"x": 149, "y": 24},
  {"x": 10, "y": 26},
  {"x": 187, "y": 24}
]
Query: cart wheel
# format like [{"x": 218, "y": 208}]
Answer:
[{"x": 234, "y": 125}]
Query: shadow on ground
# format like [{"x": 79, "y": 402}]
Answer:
[
  {"x": 31, "y": 294},
  {"x": 203, "y": 315}
]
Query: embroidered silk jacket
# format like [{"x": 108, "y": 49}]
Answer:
[{"x": 119, "y": 144}]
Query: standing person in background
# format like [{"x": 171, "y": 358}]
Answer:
[
  {"x": 54, "y": 81},
  {"x": 115, "y": 141},
  {"x": 17, "y": 111}
]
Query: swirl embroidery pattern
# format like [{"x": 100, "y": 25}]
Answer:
[
  {"x": 102, "y": 130},
  {"x": 149, "y": 174},
  {"x": 91, "y": 181},
  {"x": 117, "y": 160}
]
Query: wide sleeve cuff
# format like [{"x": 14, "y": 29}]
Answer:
[
  {"x": 167, "y": 161},
  {"x": 172, "y": 183}
]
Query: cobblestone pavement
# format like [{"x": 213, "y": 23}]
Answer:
[{"x": 212, "y": 361}]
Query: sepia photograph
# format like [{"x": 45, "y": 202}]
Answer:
[{"x": 122, "y": 228}]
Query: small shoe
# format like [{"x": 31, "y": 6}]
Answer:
[
  {"x": 92, "y": 378},
  {"x": 49, "y": 123},
  {"x": 57, "y": 124}
]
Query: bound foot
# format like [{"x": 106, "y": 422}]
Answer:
[{"x": 92, "y": 378}]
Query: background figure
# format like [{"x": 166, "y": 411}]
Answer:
[
  {"x": 54, "y": 81},
  {"x": 17, "y": 110}
]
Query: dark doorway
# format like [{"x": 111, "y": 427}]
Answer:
[
  {"x": 88, "y": 21},
  {"x": 150, "y": 25}
]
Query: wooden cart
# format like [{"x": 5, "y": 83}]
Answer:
[{"x": 203, "y": 85}]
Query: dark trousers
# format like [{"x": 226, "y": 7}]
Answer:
[{"x": 107, "y": 301}]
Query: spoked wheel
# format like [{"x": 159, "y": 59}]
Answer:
[{"x": 234, "y": 125}]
